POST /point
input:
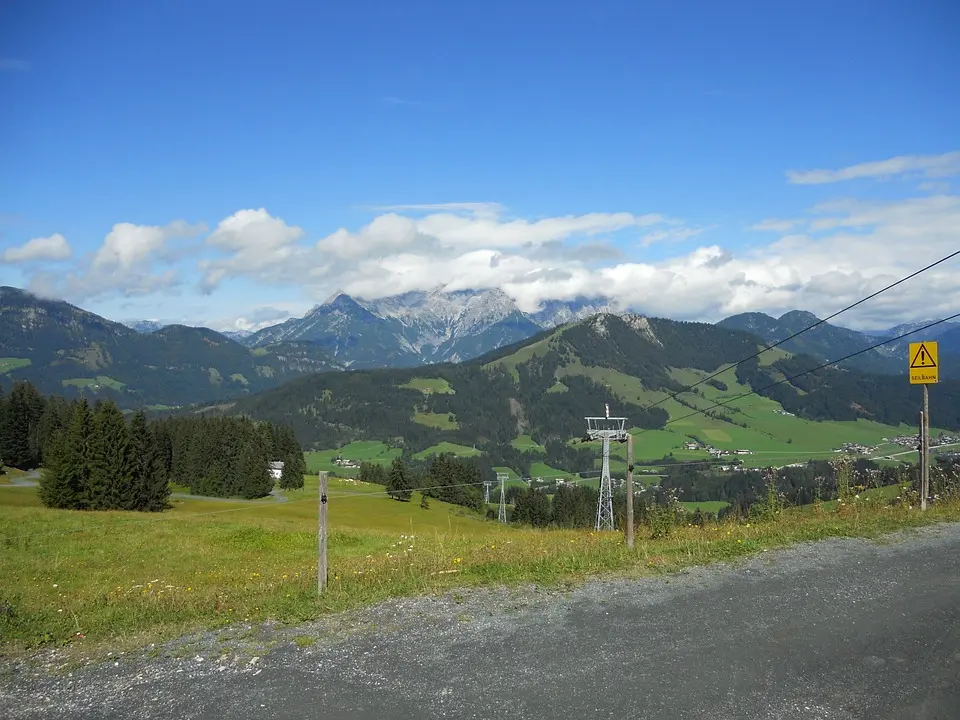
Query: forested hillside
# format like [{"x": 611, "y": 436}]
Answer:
[
  {"x": 63, "y": 349},
  {"x": 545, "y": 386}
]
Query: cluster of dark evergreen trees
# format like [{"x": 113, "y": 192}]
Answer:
[
  {"x": 229, "y": 456},
  {"x": 94, "y": 459},
  {"x": 444, "y": 477}
]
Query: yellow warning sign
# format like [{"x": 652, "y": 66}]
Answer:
[{"x": 924, "y": 368}]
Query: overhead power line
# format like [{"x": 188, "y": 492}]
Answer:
[
  {"x": 806, "y": 329},
  {"x": 805, "y": 372}
]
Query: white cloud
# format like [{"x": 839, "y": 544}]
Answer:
[
  {"x": 253, "y": 319},
  {"x": 129, "y": 262},
  {"x": 474, "y": 208},
  {"x": 942, "y": 165},
  {"x": 127, "y": 245},
  {"x": 446, "y": 232},
  {"x": 670, "y": 235},
  {"x": 859, "y": 246},
  {"x": 775, "y": 225},
  {"x": 825, "y": 258},
  {"x": 255, "y": 244},
  {"x": 52, "y": 248}
]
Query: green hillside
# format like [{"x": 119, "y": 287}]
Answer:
[
  {"x": 523, "y": 407},
  {"x": 65, "y": 350}
]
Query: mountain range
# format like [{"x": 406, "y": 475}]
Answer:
[
  {"x": 416, "y": 328},
  {"x": 63, "y": 348},
  {"x": 828, "y": 342},
  {"x": 642, "y": 368}
]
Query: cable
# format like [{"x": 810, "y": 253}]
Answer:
[
  {"x": 805, "y": 372},
  {"x": 800, "y": 332}
]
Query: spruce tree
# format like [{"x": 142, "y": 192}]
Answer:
[
  {"x": 294, "y": 465},
  {"x": 111, "y": 484},
  {"x": 19, "y": 426},
  {"x": 398, "y": 484},
  {"x": 253, "y": 470},
  {"x": 65, "y": 484},
  {"x": 150, "y": 486}
]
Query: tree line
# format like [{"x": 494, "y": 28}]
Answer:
[{"x": 95, "y": 458}]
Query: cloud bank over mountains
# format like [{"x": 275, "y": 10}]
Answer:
[{"x": 820, "y": 260}]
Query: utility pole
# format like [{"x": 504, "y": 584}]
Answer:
[
  {"x": 322, "y": 542},
  {"x": 924, "y": 370},
  {"x": 921, "y": 457},
  {"x": 926, "y": 448},
  {"x": 502, "y": 514},
  {"x": 606, "y": 429},
  {"x": 629, "y": 490}
]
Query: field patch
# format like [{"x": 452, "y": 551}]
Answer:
[
  {"x": 8, "y": 364},
  {"x": 429, "y": 385},
  {"x": 441, "y": 421},
  {"x": 447, "y": 447},
  {"x": 525, "y": 443},
  {"x": 94, "y": 384},
  {"x": 356, "y": 452},
  {"x": 710, "y": 506},
  {"x": 717, "y": 435}
]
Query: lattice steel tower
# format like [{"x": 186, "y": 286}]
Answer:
[
  {"x": 486, "y": 490},
  {"x": 502, "y": 515},
  {"x": 606, "y": 429}
]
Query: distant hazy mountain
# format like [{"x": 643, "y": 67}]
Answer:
[
  {"x": 237, "y": 335},
  {"x": 828, "y": 342},
  {"x": 931, "y": 333},
  {"x": 144, "y": 326},
  {"x": 825, "y": 342},
  {"x": 62, "y": 348},
  {"x": 559, "y": 312},
  {"x": 421, "y": 327}
]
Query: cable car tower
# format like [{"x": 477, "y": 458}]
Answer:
[{"x": 606, "y": 429}]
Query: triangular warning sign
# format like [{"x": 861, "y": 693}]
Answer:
[{"x": 923, "y": 358}]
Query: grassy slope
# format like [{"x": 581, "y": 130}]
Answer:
[
  {"x": 7, "y": 364},
  {"x": 127, "y": 579},
  {"x": 441, "y": 421},
  {"x": 775, "y": 439},
  {"x": 429, "y": 385},
  {"x": 447, "y": 447},
  {"x": 361, "y": 451}
]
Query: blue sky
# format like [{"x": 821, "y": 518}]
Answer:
[{"x": 229, "y": 163}]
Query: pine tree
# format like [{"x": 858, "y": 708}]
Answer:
[
  {"x": 294, "y": 465},
  {"x": 150, "y": 486},
  {"x": 254, "y": 472},
  {"x": 55, "y": 418},
  {"x": 111, "y": 484},
  {"x": 19, "y": 444},
  {"x": 65, "y": 482},
  {"x": 3, "y": 424},
  {"x": 398, "y": 484}
]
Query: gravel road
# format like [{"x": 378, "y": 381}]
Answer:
[{"x": 835, "y": 629}]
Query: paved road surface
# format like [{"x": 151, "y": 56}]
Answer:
[{"x": 839, "y": 629}]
